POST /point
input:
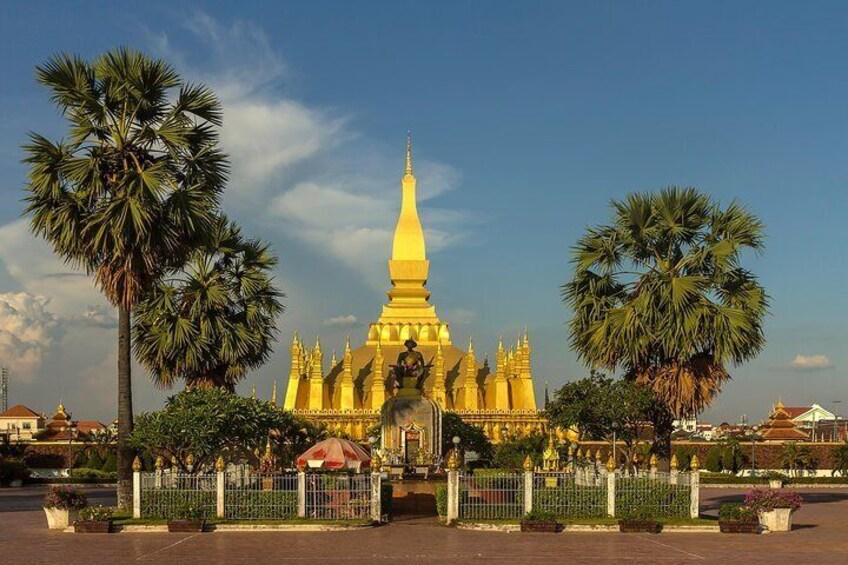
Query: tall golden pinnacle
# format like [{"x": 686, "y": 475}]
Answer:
[{"x": 408, "y": 170}]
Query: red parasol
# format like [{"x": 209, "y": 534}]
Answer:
[{"x": 334, "y": 453}]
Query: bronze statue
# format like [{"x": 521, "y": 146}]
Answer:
[{"x": 410, "y": 363}]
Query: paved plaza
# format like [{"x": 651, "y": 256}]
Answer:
[{"x": 820, "y": 536}]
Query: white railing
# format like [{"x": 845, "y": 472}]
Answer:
[
  {"x": 239, "y": 495},
  {"x": 582, "y": 493}
]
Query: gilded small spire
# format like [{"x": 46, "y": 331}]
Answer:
[
  {"x": 253, "y": 392},
  {"x": 408, "y": 170},
  {"x": 136, "y": 464},
  {"x": 673, "y": 464},
  {"x": 274, "y": 393}
]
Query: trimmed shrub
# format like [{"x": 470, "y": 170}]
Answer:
[
  {"x": 91, "y": 474},
  {"x": 442, "y": 500},
  {"x": 260, "y": 504},
  {"x": 713, "y": 463},
  {"x": 94, "y": 461},
  {"x": 166, "y": 503},
  {"x": 111, "y": 464},
  {"x": 12, "y": 470}
]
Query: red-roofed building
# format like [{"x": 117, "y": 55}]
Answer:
[
  {"x": 20, "y": 423},
  {"x": 781, "y": 426}
]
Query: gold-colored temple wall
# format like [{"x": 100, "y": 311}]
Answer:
[{"x": 497, "y": 425}]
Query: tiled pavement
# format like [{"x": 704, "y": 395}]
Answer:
[{"x": 820, "y": 536}]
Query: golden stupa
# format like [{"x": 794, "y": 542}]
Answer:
[{"x": 348, "y": 396}]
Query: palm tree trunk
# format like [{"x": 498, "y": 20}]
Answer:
[{"x": 125, "y": 411}]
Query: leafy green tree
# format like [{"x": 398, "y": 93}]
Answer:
[
  {"x": 215, "y": 319},
  {"x": 510, "y": 454},
  {"x": 796, "y": 457},
  {"x": 598, "y": 405},
  {"x": 471, "y": 438},
  {"x": 713, "y": 462},
  {"x": 132, "y": 188},
  {"x": 111, "y": 464},
  {"x": 94, "y": 461},
  {"x": 661, "y": 294},
  {"x": 684, "y": 457},
  {"x": 732, "y": 456},
  {"x": 839, "y": 456},
  {"x": 207, "y": 422}
]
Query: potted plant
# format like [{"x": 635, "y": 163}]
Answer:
[
  {"x": 774, "y": 507},
  {"x": 188, "y": 517},
  {"x": 639, "y": 519},
  {"x": 775, "y": 479},
  {"x": 62, "y": 505},
  {"x": 94, "y": 520},
  {"x": 738, "y": 519},
  {"x": 539, "y": 521}
]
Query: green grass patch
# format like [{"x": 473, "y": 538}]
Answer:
[{"x": 605, "y": 521}]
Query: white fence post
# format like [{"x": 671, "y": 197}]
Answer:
[
  {"x": 219, "y": 499},
  {"x": 376, "y": 495},
  {"x": 610, "y": 492},
  {"x": 453, "y": 495},
  {"x": 694, "y": 494},
  {"x": 528, "y": 491},
  {"x": 136, "y": 466},
  {"x": 301, "y": 494}
]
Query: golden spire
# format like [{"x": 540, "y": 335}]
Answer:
[
  {"x": 253, "y": 392},
  {"x": 333, "y": 361},
  {"x": 408, "y": 170},
  {"x": 274, "y": 393}
]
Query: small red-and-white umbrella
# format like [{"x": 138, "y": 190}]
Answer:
[{"x": 334, "y": 453}]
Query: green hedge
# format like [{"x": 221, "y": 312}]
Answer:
[
  {"x": 13, "y": 470},
  {"x": 572, "y": 501},
  {"x": 85, "y": 473},
  {"x": 260, "y": 504},
  {"x": 442, "y": 500},
  {"x": 163, "y": 503},
  {"x": 642, "y": 495}
]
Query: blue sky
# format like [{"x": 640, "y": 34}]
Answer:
[{"x": 527, "y": 119}]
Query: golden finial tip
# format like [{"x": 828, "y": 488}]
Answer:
[
  {"x": 610, "y": 464},
  {"x": 528, "y": 463},
  {"x": 136, "y": 464},
  {"x": 160, "y": 462},
  {"x": 219, "y": 464},
  {"x": 694, "y": 464},
  {"x": 653, "y": 461},
  {"x": 408, "y": 169},
  {"x": 673, "y": 463}
]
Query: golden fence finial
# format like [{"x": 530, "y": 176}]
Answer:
[
  {"x": 598, "y": 456},
  {"x": 160, "y": 462},
  {"x": 528, "y": 463},
  {"x": 653, "y": 461},
  {"x": 610, "y": 464},
  {"x": 189, "y": 461},
  {"x": 136, "y": 464},
  {"x": 220, "y": 465},
  {"x": 673, "y": 464},
  {"x": 376, "y": 462},
  {"x": 694, "y": 464},
  {"x": 453, "y": 460}
]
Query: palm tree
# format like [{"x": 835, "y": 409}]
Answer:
[
  {"x": 215, "y": 318},
  {"x": 661, "y": 295},
  {"x": 132, "y": 188}
]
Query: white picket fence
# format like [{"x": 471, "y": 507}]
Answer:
[
  {"x": 584, "y": 493},
  {"x": 238, "y": 495}
]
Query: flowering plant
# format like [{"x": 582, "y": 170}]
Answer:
[
  {"x": 97, "y": 513},
  {"x": 66, "y": 498},
  {"x": 766, "y": 500}
]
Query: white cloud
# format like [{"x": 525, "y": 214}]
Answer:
[
  {"x": 28, "y": 331},
  {"x": 347, "y": 321},
  {"x": 811, "y": 362},
  {"x": 96, "y": 316},
  {"x": 304, "y": 171}
]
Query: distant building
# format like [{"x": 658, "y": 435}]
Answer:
[
  {"x": 61, "y": 427},
  {"x": 780, "y": 426},
  {"x": 811, "y": 419},
  {"x": 20, "y": 423},
  {"x": 687, "y": 425}
]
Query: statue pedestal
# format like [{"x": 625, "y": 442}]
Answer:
[{"x": 411, "y": 427}]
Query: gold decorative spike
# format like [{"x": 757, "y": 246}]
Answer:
[
  {"x": 598, "y": 456},
  {"x": 189, "y": 461},
  {"x": 253, "y": 392},
  {"x": 220, "y": 465},
  {"x": 610, "y": 464},
  {"x": 653, "y": 461},
  {"x": 528, "y": 463},
  {"x": 408, "y": 169},
  {"x": 694, "y": 464},
  {"x": 160, "y": 463},
  {"x": 274, "y": 393},
  {"x": 673, "y": 463},
  {"x": 453, "y": 460},
  {"x": 136, "y": 464}
]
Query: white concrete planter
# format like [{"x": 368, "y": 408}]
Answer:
[
  {"x": 59, "y": 518},
  {"x": 775, "y": 483},
  {"x": 777, "y": 520}
]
